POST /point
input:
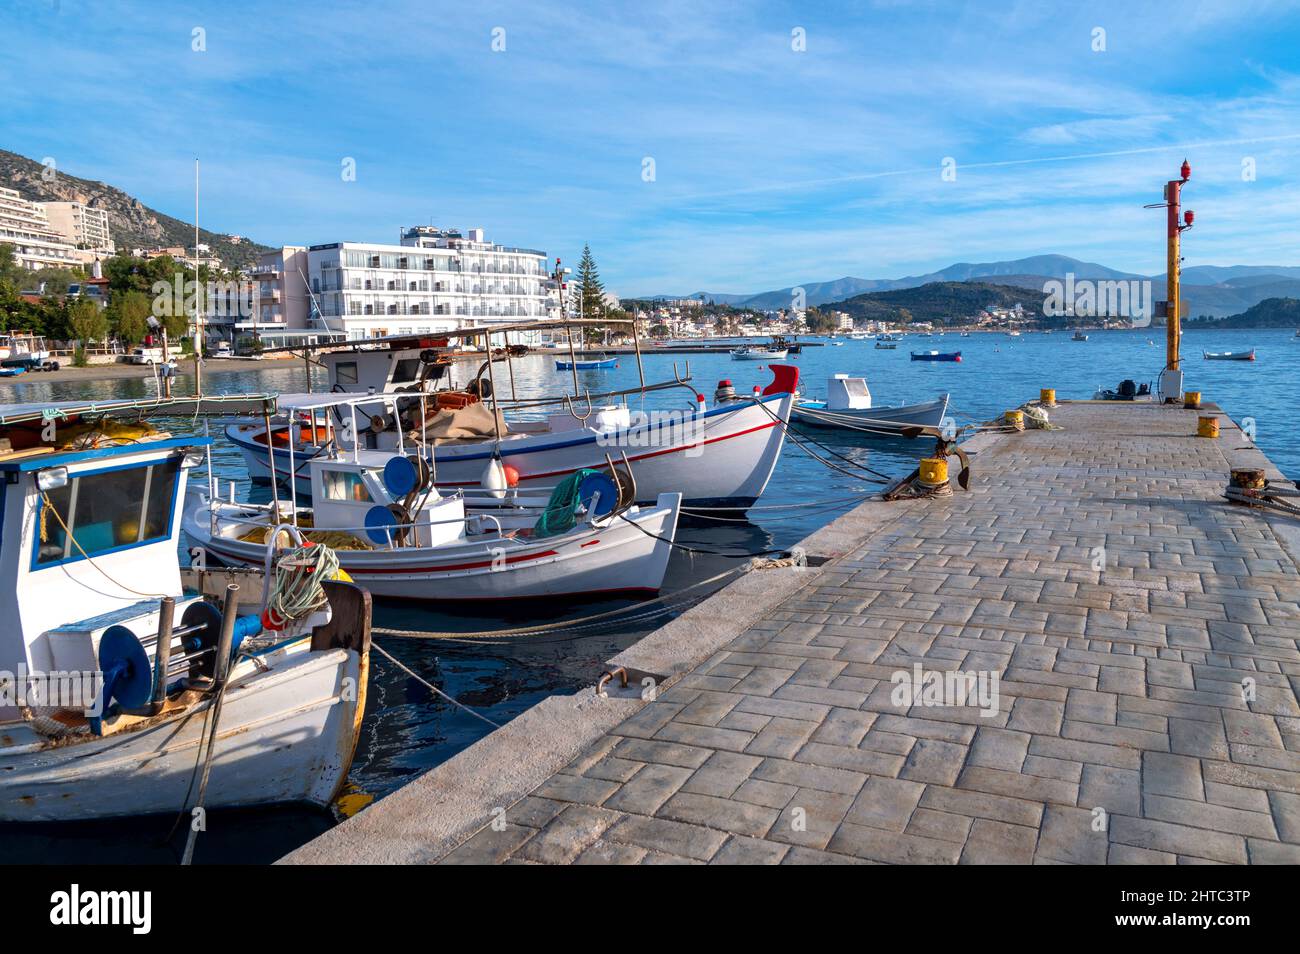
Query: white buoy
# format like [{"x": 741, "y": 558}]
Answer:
[{"x": 493, "y": 479}]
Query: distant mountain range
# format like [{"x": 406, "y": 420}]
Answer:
[
  {"x": 1214, "y": 290},
  {"x": 131, "y": 223},
  {"x": 1269, "y": 313}
]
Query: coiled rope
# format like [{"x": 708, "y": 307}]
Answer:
[{"x": 296, "y": 589}]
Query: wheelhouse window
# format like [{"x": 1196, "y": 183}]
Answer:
[
  {"x": 98, "y": 512},
  {"x": 345, "y": 485},
  {"x": 345, "y": 372}
]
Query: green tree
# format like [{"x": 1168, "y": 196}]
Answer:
[
  {"x": 87, "y": 321},
  {"x": 10, "y": 270},
  {"x": 591, "y": 291},
  {"x": 128, "y": 315}
]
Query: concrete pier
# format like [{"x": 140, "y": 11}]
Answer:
[{"x": 1141, "y": 630}]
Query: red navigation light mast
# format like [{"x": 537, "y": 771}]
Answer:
[{"x": 1171, "y": 379}]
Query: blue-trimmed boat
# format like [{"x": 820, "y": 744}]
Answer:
[
  {"x": 593, "y": 364},
  {"x": 936, "y": 355},
  {"x": 131, "y": 672}
]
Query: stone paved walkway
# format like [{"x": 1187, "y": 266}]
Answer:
[{"x": 1122, "y": 733}]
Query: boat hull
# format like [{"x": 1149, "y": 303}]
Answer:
[
  {"x": 722, "y": 460},
  {"x": 626, "y": 556},
  {"x": 285, "y": 736},
  {"x": 889, "y": 420}
]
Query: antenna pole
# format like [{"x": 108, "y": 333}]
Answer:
[{"x": 198, "y": 320}]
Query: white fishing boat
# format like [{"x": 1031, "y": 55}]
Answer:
[
  {"x": 718, "y": 457},
  {"x": 848, "y": 406},
  {"x": 397, "y": 535},
  {"x": 132, "y": 674},
  {"x": 886, "y": 345},
  {"x": 1078, "y": 336},
  {"x": 758, "y": 353},
  {"x": 1229, "y": 355}
]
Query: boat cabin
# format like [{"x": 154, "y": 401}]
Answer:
[
  {"x": 89, "y": 541},
  {"x": 356, "y": 491},
  {"x": 844, "y": 393},
  {"x": 385, "y": 369}
]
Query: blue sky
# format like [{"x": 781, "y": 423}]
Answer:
[{"x": 772, "y": 166}]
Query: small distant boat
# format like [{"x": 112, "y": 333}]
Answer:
[
  {"x": 1229, "y": 355},
  {"x": 755, "y": 353},
  {"x": 1079, "y": 336},
  {"x": 12, "y": 371},
  {"x": 965, "y": 334},
  {"x": 886, "y": 345},
  {"x": 936, "y": 355},
  {"x": 1013, "y": 334},
  {"x": 848, "y": 407},
  {"x": 593, "y": 364}
]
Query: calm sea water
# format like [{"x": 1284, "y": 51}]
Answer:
[{"x": 408, "y": 730}]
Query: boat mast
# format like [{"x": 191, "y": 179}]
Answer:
[{"x": 198, "y": 321}]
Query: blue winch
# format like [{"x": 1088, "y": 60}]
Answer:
[{"x": 129, "y": 679}]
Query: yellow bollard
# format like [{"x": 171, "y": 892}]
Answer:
[
  {"x": 1015, "y": 418},
  {"x": 1192, "y": 400},
  {"x": 933, "y": 472},
  {"x": 1207, "y": 427},
  {"x": 1047, "y": 397}
]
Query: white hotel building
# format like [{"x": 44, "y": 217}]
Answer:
[
  {"x": 26, "y": 226},
  {"x": 436, "y": 280}
]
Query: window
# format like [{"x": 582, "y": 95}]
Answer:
[
  {"x": 345, "y": 372},
  {"x": 407, "y": 369},
  {"x": 106, "y": 510},
  {"x": 345, "y": 485}
]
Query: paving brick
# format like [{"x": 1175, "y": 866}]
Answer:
[
  {"x": 1118, "y": 791},
  {"x": 1083, "y": 705},
  {"x": 1217, "y": 818},
  {"x": 1018, "y": 785},
  {"x": 722, "y": 774},
  {"x": 1201, "y": 739},
  {"x": 931, "y": 760},
  {"x": 1176, "y": 775},
  {"x": 726, "y": 814},
  {"x": 1129, "y": 855},
  {"x": 999, "y": 748},
  {"x": 885, "y": 803},
  {"x": 1286, "y": 815},
  {"x": 811, "y": 818},
  {"x": 568, "y": 834},
  {"x": 740, "y": 850},
  {"x": 1040, "y": 716},
  {"x": 781, "y": 738},
  {"x": 945, "y": 826},
  {"x": 997, "y": 843},
  {"x": 1178, "y": 839},
  {"x": 670, "y": 837},
  {"x": 892, "y": 847},
  {"x": 648, "y": 789}
]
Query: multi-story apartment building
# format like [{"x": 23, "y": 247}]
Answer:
[
  {"x": 281, "y": 301},
  {"x": 436, "y": 280},
  {"x": 37, "y": 244},
  {"x": 82, "y": 226}
]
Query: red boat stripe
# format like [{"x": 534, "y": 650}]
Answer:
[
  {"x": 443, "y": 568},
  {"x": 659, "y": 453}
]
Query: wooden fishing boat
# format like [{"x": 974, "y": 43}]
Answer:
[
  {"x": 848, "y": 406},
  {"x": 1078, "y": 336},
  {"x": 400, "y": 537},
  {"x": 593, "y": 364},
  {"x": 1229, "y": 355},
  {"x": 886, "y": 345},
  {"x": 757, "y": 353},
  {"x": 134, "y": 672},
  {"x": 717, "y": 457},
  {"x": 936, "y": 355}
]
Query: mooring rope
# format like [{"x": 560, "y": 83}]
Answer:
[
  {"x": 428, "y": 685},
  {"x": 582, "y": 622}
]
